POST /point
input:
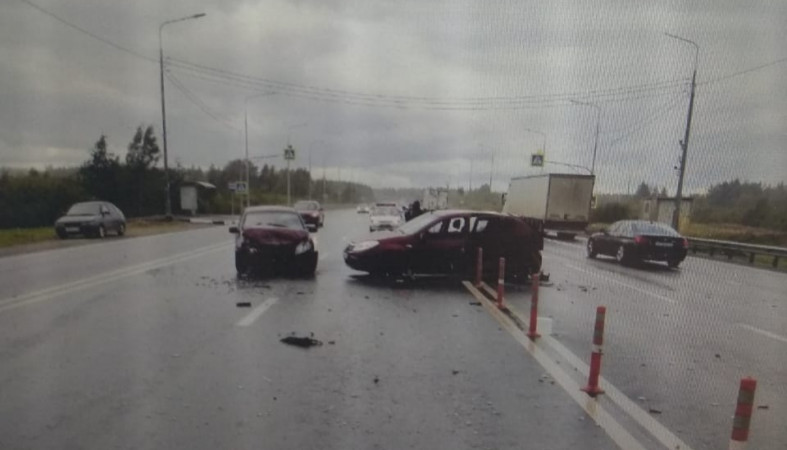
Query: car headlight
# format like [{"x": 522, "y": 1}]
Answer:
[
  {"x": 365, "y": 245},
  {"x": 303, "y": 247}
]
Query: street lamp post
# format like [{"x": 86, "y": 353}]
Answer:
[
  {"x": 246, "y": 133},
  {"x": 684, "y": 144},
  {"x": 167, "y": 200},
  {"x": 291, "y": 151},
  {"x": 598, "y": 123}
]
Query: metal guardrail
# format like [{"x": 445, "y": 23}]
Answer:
[{"x": 731, "y": 249}]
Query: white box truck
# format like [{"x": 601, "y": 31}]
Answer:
[
  {"x": 434, "y": 199},
  {"x": 554, "y": 203}
]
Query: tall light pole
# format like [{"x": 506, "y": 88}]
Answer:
[
  {"x": 167, "y": 201},
  {"x": 684, "y": 144},
  {"x": 598, "y": 122},
  {"x": 246, "y": 133},
  {"x": 289, "y": 155},
  {"x": 311, "y": 146}
]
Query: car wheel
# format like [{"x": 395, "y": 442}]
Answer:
[
  {"x": 101, "y": 232},
  {"x": 122, "y": 229},
  {"x": 241, "y": 266},
  {"x": 673, "y": 263},
  {"x": 591, "y": 250}
]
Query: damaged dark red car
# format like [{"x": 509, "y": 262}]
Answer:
[
  {"x": 273, "y": 239},
  {"x": 446, "y": 242}
]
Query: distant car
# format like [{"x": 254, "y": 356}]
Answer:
[
  {"x": 92, "y": 219},
  {"x": 311, "y": 212},
  {"x": 446, "y": 242},
  {"x": 385, "y": 217},
  {"x": 633, "y": 241},
  {"x": 271, "y": 238},
  {"x": 362, "y": 209}
]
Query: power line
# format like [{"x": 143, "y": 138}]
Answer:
[
  {"x": 89, "y": 33},
  {"x": 742, "y": 72},
  {"x": 189, "y": 94}
]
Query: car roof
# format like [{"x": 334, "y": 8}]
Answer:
[
  {"x": 456, "y": 212},
  {"x": 271, "y": 208}
]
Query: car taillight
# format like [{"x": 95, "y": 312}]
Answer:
[
  {"x": 640, "y": 240},
  {"x": 315, "y": 214},
  {"x": 685, "y": 243}
]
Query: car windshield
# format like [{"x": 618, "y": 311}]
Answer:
[
  {"x": 385, "y": 211},
  {"x": 653, "y": 229},
  {"x": 84, "y": 209},
  {"x": 416, "y": 224},
  {"x": 272, "y": 219},
  {"x": 306, "y": 206}
]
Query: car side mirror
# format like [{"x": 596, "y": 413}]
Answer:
[{"x": 234, "y": 230}]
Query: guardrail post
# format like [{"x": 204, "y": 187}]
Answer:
[
  {"x": 479, "y": 267},
  {"x": 775, "y": 263},
  {"x": 743, "y": 411},
  {"x": 532, "y": 333},
  {"x": 501, "y": 282},
  {"x": 592, "y": 388}
]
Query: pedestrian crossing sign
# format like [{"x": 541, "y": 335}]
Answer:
[{"x": 537, "y": 159}]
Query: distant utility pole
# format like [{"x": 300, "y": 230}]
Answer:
[
  {"x": 470, "y": 182},
  {"x": 684, "y": 144},
  {"x": 491, "y": 171}
]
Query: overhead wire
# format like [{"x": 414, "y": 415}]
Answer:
[{"x": 192, "y": 97}]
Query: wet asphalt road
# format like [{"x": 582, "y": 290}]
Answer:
[{"x": 138, "y": 343}]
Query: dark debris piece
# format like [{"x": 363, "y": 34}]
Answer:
[
  {"x": 475, "y": 303},
  {"x": 243, "y": 304},
  {"x": 303, "y": 342}
]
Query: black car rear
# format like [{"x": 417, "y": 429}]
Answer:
[{"x": 631, "y": 241}]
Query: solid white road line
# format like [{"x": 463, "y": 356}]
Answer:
[
  {"x": 590, "y": 405},
  {"x": 106, "y": 277},
  {"x": 626, "y": 285},
  {"x": 763, "y": 332},
  {"x": 256, "y": 312}
]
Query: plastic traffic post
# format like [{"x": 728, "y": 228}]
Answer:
[
  {"x": 742, "y": 419},
  {"x": 479, "y": 267},
  {"x": 501, "y": 283},
  {"x": 532, "y": 333},
  {"x": 592, "y": 388}
]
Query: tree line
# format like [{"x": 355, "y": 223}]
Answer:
[{"x": 137, "y": 185}]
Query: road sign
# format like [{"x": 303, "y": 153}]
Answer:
[
  {"x": 537, "y": 160},
  {"x": 232, "y": 185},
  {"x": 289, "y": 153},
  {"x": 240, "y": 187}
]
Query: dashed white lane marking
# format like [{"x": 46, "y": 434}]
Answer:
[
  {"x": 626, "y": 285},
  {"x": 763, "y": 332},
  {"x": 590, "y": 405},
  {"x": 56, "y": 291},
  {"x": 257, "y": 312}
]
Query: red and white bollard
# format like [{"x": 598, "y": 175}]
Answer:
[
  {"x": 479, "y": 267},
  {"x": 592, "y": 388},
  {"x": 532, "y": 333},
  {"x": 743, "y": 411},
  {"x": 501, "y": 283}
]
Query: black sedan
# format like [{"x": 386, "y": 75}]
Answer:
[
  {"x": 633, "y": 241},
  {"x": 272, "y": 239},
  {"x": 91, "y": 219},
  {"x": 311, "y": 213}
]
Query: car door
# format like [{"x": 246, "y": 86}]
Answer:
[
  {"x": 442, "y": 247},
  {"x": 486, "y": 234}
]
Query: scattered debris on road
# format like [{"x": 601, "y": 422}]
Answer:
[
  {"x": 303, "y": 342},
  {"x": 654, "y": 411},
  {"x": 331, "y": 342},
  {"x": 763, "y": 407},
  {"x": 376, "y": 379},
  {"x": 243, "y": 304},
  {"x": 475, "y": 303},
  {"x": 718, "y": 356},
  {"x": 454, "y": 372}
]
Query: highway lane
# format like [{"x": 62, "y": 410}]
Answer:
[
  {"x": 679, "y": 340},
  {"x": 152, "y": 352}
]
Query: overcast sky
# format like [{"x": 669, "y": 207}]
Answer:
[{"x": 405, "y": 93}]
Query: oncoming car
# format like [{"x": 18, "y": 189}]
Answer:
[
  {"x": 311, "y": 213},
  {"x": 633, "y": 241},
  {"x": 273, "y": 238},
  {"x": 93, "y": 219},
  {"x": 446, "y": 242},
  {"x": 385, "y": 217}
]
